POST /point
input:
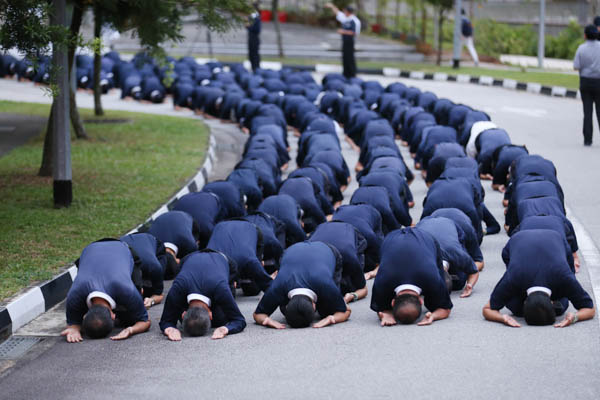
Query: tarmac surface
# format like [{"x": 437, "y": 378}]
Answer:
[
  {"x": 461, "y": 357},
  {"x": 16, "y": 129},
  {"x": 298, "y": 41}
]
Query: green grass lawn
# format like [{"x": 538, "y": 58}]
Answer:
[
  {"x": 570, "y": 81},
  {"x": 120, "y": 176}
]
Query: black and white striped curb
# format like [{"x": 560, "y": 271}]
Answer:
[
  {"x": 555, "y": 91},
  {"x": 43, "y": 297}
]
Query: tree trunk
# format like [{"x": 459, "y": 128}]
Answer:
[
  {"x": 274, "y": 7},
  {"x": 97, "y": 63},
  {"x": 46, "y": 167},
  {"x": 75, "y": 26},
  {"x": 423, "y": 23},
  {"x": 440, "y": 36}
]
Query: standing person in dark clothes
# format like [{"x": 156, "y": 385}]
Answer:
[
  {"x": 349, "y": 30},
  {"x": 587, "y": 62},
  {"x": 253, "y": 27}
]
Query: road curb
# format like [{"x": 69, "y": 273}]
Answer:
[
  {"x": 40, "y": 298},
  {"x": 536, "y": 88}
]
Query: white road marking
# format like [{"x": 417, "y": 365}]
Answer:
[{"x": 530, "y": 112}]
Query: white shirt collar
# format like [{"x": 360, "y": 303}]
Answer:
[
  {"x": 172, "y": 246},
  {"x": 303, "y": 291},
  {"x": 539, "y": 289},
  {"x": 407, "y": 286},
  {"x": 100, "y": 295},
  {"x": 198, "y": 296}
]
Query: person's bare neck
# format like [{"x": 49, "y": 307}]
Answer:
[
  {"x": 99, "y": 301},
  {"x": 198, "y": 303}
]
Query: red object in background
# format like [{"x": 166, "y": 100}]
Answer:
[
  {"x": 376, "y": 28},
  {"x": 266, "y": 15}
]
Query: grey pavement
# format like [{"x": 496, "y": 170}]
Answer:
[
  {"x": 17, "y": 129},
  {"x": 299, "y": 41},
  {"x": 462, "y": 357}
]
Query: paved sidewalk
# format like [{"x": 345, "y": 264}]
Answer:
[{"x": 17, "y": 129}]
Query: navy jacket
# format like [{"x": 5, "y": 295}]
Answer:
[
  {"x": 451, "y": 240},
  {"x": 351, "y": 245},
  {"x": 152, "y": 256},
  {"x": 286, "y": 209},
  {"x": 410, "y": 256},
  {"x": 205, "y": 273},
  {"x": 486, "y": 143},
  {"x": 106, "y": 267},
  {"x": 230, "y": 195},
  {"x": 305, "y": 192},
  {"x": 178, "y": 228},
  {"x": 273, "y": 231},
  {"x": 471, "y": 241},
  {"x": 205, "y": 208},
  {"x": 453, "y": 194},
  {"x": 502, "y": 160},
  {"x": 379, "y": 198},
  {"x": 367, "y": 220},
  {"x": 242, "y": 242},
  {"x": 537, "y": 258},
  {"x": 311, "y": 265},
  {"x": 247, "y": 181}
]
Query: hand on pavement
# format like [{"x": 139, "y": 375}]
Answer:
[
  {"x": 387, "y": 319},
  {"x": 124, "y": 334},
  {"x": 73, "y": 335},
  {"x": 220, "y": 332}
]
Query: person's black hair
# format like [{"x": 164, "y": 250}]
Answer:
[
  {"x": 407, "y": 308},
  {"x": 462, "y": 11},
  {"x": 299, "y": 312},
  {"x": 171, "y": 268},
  {"x": 97, "y": 323},
  {"x": 196, "y": 321},
  {"x": 591, "y": 32},
  {"x": 350, "y": 9},
  {"x": 597, "y": 21},
  {"x": 538, "y": 309}
]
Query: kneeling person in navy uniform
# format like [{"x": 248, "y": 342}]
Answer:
[
  {"x": 308, "y": 281},
  {"x": 411, "y": 267},
  {"x": 104, "y": 291},
  {"x": 201, "y": 297},
  {"x": 538, "y": 283}
]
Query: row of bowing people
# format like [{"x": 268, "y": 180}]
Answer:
[{"x": 292, "y": 239}]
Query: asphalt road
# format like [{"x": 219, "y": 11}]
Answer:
[{"x": 462, "y": 357}]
